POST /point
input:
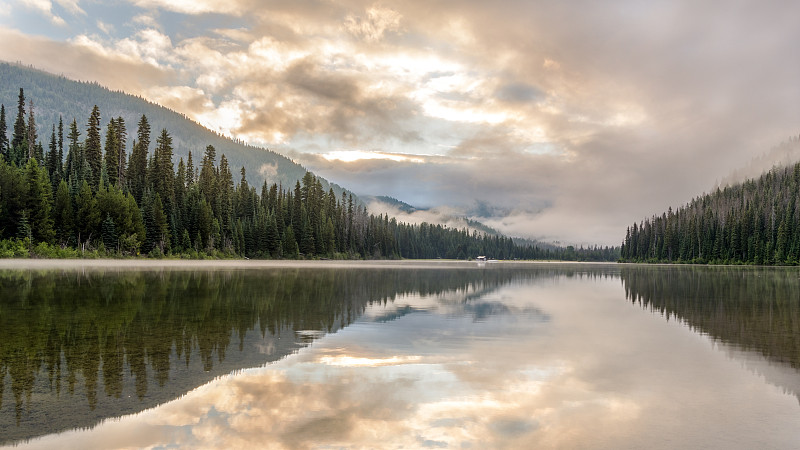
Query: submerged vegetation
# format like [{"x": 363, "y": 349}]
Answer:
[
  {"x": 89, "y": 197},
  {"x": 754, "y": 222}
]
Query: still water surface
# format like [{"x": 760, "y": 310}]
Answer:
[{"x": 414, "y": 355}]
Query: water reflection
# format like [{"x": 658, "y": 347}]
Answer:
[
  {"x": 77, "y": 346},
  {"x": 752, "y": 312},
  {"x": 518, "y": 357}
]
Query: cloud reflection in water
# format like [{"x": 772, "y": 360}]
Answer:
[{"x": 566, "y": 364}]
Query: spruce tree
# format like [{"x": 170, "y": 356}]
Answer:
[
  {"x": 137, "y": 165},
  {"x": 225, "y": 196},
  {"x": 190, "y": 171},
  {"x": 51, "y": 161},
  {"x": 18, "y": 144},
  {"x": 164, "y": 172},
  {"x": 60, "y": 144},
  {"x": 13, "y": 193},
  {"x": 112, "y": 153},
  {"x": 109, "y": 234},
  {"x": 63, "y": 215},
  {"x": 122, "y": 141},
  {"x": 93, "y": 148},
  {"x": 37, "y": 202},
  {"x": 31, "y": 137},
  {"x": 87, "y": 215},
  {"x": 75, "y": 157},
  {"x": 3, "y": 133}
]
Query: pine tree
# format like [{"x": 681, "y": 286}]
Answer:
[
  {"x": 31, "y": 136},
  {"x": 93, "y": 149},
  {"x": 63, "y": 215},
  {"x": 75, "y": 156},
  {"x": 60, "y": 147},
  {"x": 122, "y": 141},
  {"x": 51, "y": 161},
  {"x": 137, "y": 165},
  {"x": 159, "y": 227},
  {"x": 112, "y": 153},
  {"x": 164, "y": 172},
  {"x": 38, "y": 202},
  {"x": 18, "y": 144},
  {"x": 190, "y": 171},
  {"x": 109, "y": 234},
  {"x": 225, "y": 196},
  {"x": 13, "y": 194},
  {"x": 3, "y": 133},
  {"x": 87, "y": 215},
  {"x": 208, "y": 177}
]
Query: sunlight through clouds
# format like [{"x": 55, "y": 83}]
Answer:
[
  {"x": 356, "y": 155},
  {"x": 616, "y": 97}
]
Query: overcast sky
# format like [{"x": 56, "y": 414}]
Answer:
[{"x": 557, "y": 120}]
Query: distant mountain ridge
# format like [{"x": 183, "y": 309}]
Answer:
[
  {"x": 454, "y": 221},
  {"x": 55, "y": 96}
]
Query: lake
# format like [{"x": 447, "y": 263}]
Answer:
[{"x": 151, "y": 354}]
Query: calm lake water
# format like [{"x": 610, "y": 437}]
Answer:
[{"x": 398, "y": 355}]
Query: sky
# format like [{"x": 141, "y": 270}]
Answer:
[{"x": 560, "y": 121}]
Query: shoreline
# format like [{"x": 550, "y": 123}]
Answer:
[{"x": 185, "y": 264}]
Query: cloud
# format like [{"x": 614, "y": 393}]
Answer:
[
  {"x": 194, "y": 7},
  {"x": 628, "y": 110},
  {"x": 268, "y": 171},
  {"x": 46, "y": 8},
  {"x": 82, "y": 61},
  {"x": 378, "y": 21}
]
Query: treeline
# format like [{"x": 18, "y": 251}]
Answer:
[
  {"x": 90, "y": 194},
  {"x": 755, "y": 222}
]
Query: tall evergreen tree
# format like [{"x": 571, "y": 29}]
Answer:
[
  {"x": 137, "y": 165},
  {"x": 93, "y": 148},
  {"x": 190, "y": 171},
  {"x": 122, "y": 141},
  {"x": 87, "y": 215},
  {"x": 163, "y": 170},
  {"x": 75, "y": 156},
  {"x": 51, "y": 161},
  {"x": 3, "y": 133},
  {"x": 63, "y": 215},
  {"x": 18, "y": 144},
  {"x": 39, "y": 196},
  {"x": 32, "y": 138},
  {"x": 225, "y": 196},
  {"x": 112, "y": 153},
  {"x": 13, "y": 194}
]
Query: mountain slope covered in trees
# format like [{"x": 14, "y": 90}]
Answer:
[
  {"x": 56, "y": 97},
  {"x": 753, "y": 222},
  {"x": 75, "y": 192}
]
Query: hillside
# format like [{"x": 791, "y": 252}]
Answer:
[
  {"x": 55, "y": 96},
  {"x": 753, "y": 222}
]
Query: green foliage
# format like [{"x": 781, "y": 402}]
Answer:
[
  {"x": 755, "y": 222},
  {"x": 92, "y": 148},
  {"x": 101, "y": 209},
  {"x": 59, "y": 97},
  {"x": 38, "y": 200}
]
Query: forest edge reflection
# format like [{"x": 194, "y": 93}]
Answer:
[
  {"x": 103, "y": 338},
  {"x": 745, "y": 308}
]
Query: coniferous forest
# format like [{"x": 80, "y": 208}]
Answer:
[
  {"x": 75, "y": 190},
  {"x": 754, "y": 222}
]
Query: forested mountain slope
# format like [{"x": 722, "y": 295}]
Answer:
[
  {"x": 753, "y": 222},
  {"x": 55, "y": 96}
]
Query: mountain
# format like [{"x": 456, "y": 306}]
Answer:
[
  {"x": 403, "y": 211},
  {"x": 56, "y": 96}
]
